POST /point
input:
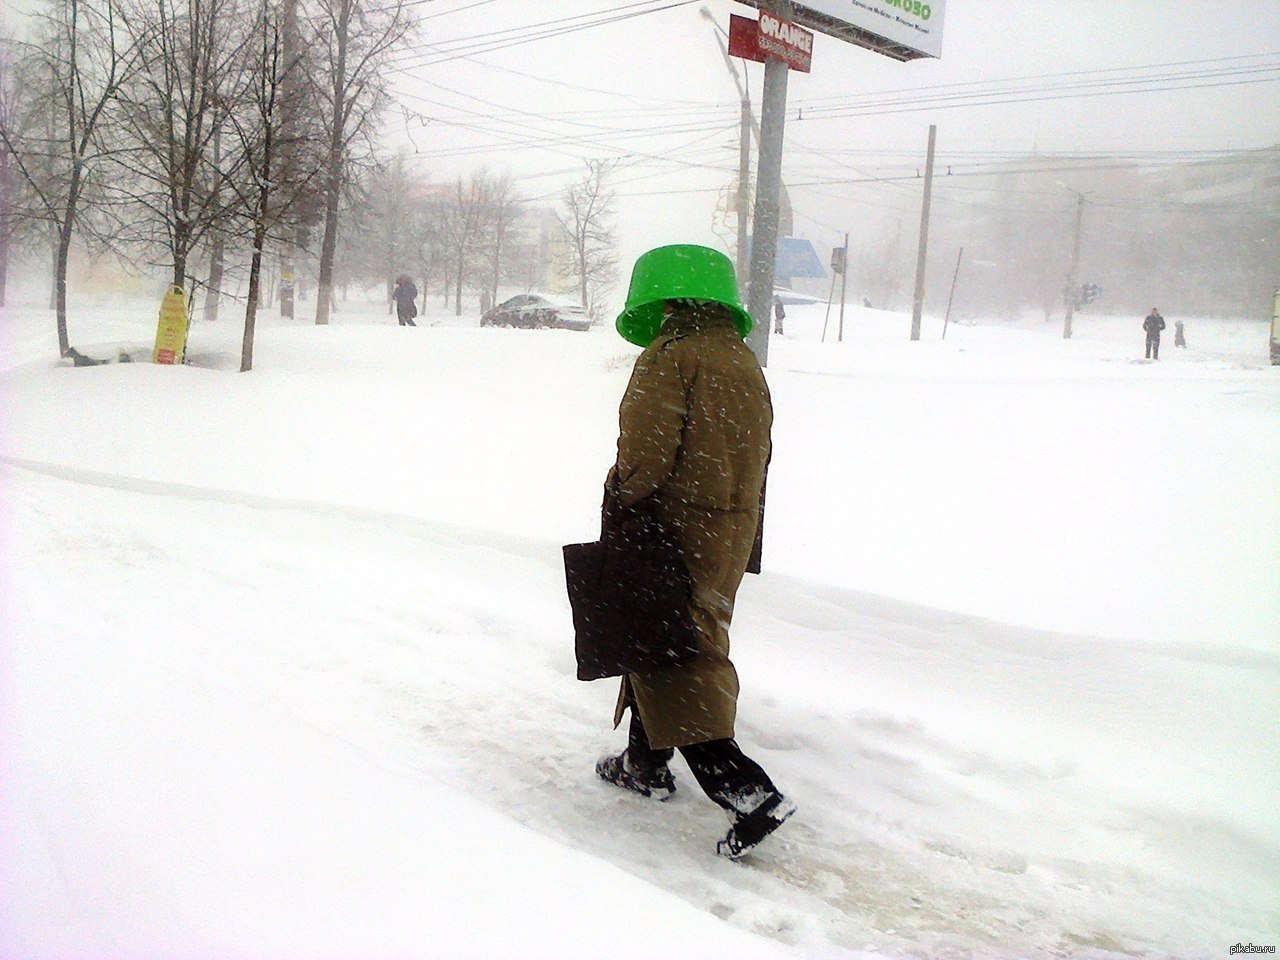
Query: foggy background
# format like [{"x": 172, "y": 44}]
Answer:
[{"x": 1166, "y": 117}]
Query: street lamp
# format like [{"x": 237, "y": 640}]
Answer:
[{"x": 745, "y": 123}]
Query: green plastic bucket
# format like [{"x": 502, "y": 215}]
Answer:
[{"x": 679, "y": 271}]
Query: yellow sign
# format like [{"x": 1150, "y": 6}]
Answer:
[{"x": 171, "y": 334}]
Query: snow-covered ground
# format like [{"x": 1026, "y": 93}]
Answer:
[{"x": 288, "y": 665}]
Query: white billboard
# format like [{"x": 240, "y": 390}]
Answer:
[{"x": 902, "y": 29}]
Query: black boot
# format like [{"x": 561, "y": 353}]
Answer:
[
  {"x": 749, "y": 829},
  {"x": 618, "y": 770}
]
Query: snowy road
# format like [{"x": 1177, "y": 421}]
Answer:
[
  {"x": 278, "y": 634},
  {"x": 252, "y": 709}
]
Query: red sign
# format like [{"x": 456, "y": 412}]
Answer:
[{"x": 772, "y": 37}]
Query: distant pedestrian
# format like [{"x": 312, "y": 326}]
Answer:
[
  {"x": 1179, "y": 339},
  {"x": 1153, "y": 325},
  {"x": 404, "y": 295},
  {"x": 779, "y": 314},
  {"x": 485, "y": 302}
]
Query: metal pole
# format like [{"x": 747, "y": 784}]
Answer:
[
  {"x": 844, "y": 283},
  {"x": 1072, "y": 276},
  {"x": 744, "y": 192},
  {"x": 952, "y": 295},
  {"x": 918, "y": 304},
  {"x": 831, "y": 295},
  {"x": 764, "y": 231}
]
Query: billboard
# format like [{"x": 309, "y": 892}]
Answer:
[
  {"x": 771, "y": 36},
  {"x": 901, "y": 29}
]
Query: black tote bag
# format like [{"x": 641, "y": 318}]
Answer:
[{"x": 630, "y": 593}]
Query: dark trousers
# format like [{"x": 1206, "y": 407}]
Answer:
[
  {"x": 725, "y": 773},
  {"x": 1153, "y": 346},
  {"x": 405, "y": 315}
]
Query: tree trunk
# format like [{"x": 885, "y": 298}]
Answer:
[
  {"x": 457, "y": 291},
  {"x": 6, "y": 220},
  {"x": 251, "y": 308},
  {"x": 213, "y": 292},
  {"x": 497, "y": 262},
  {"x": 333, "y": 168},
  {"x": 181, "y": 250},
  {"x": 54, "y": 242},
  {"x": 60, "y": 285},
  {"x": 4, "y": 261},
  {"x": 329, "y": 245}
]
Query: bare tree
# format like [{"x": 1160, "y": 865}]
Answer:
[
  {"x": 257, "y": 129},
  {"x": 383, "y": 217},
  {"x": 85, "y": 64},
  {"x": 587, "y": 218},
  {"x": 353, "y": 38},
  {"x": 465, "y": 215},
  {"x": 502, "y": 213},
  {"x": 192, "y": 74}
]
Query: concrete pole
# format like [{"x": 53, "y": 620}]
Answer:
[
  {"x": 917, "y": 308},
  {"x": 764, "y": 230},
  {"x": 1073, "y": 278}
]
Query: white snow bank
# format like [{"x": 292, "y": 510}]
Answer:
[{"x": 275, "y": 638}]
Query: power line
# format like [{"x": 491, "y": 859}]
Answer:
[{"x": 498, "y": 39}]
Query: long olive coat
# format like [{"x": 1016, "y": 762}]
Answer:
[{"x": 694, "y": 434}]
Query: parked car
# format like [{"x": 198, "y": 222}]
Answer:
[{"x": 537, "y": 310}]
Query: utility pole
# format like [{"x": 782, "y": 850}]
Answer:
[
  {"x": 1073, "y": 278},
  {"x": 918, "y": 303},
  {"x": 764, "y": 231},
  {"x": 844, "y": 281}
]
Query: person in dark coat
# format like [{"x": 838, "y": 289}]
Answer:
[
  {"x": 779, "y": 314},
  {"x": 1179, "y": 338},
  {"x": 404, "y": 295},
  {"x": 1153, "y": 325},
  {"x": 694, "y": 437}
]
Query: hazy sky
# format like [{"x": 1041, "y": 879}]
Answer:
[{"x": 653, "y": 92}]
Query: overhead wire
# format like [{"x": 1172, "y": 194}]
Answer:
[
  {"x": 499, "y": 39},
  {"x": 1215, "y": 72}
]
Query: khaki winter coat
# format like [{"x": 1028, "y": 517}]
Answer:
[{"x": 694, "y": 434}]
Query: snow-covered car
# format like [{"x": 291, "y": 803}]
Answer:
[{"x": 537, "y": 310}]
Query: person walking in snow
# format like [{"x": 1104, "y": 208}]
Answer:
[
  {"x": 1153, "y": 325},
  {"x": 779, "y": 314},
  {"x": 694, "y": 440},
  {"x": 1179, "y": 338},
  {"x": 404, "y": 295}
]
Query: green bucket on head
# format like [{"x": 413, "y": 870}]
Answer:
[{"x": 678, "y": 272}]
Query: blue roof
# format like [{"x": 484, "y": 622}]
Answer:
[{"x": 796, "y": 259}]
